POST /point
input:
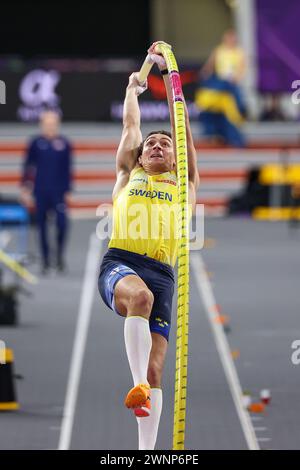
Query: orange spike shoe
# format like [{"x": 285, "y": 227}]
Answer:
[{"x": 138, "y": 398}]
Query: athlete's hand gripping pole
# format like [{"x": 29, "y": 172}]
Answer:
[{"x": 154, "y": 56}]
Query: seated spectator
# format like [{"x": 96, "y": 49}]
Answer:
[{"x": 218, "y": 97}]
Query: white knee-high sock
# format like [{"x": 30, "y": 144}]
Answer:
[
  {"x": 148, "y": 427},
  {"x": 138, "y": 342}
]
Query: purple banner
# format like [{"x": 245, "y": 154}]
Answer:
[{"x": 278, "y": 44}]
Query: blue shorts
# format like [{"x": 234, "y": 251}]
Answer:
[{"x": 158, "y": 277}]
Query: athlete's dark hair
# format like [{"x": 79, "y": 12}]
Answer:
[{"x": 141, "y": 146}]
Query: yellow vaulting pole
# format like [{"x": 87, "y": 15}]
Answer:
[{"x": 183, "y": 249}]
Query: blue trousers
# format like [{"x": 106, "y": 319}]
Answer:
[{"x": 45, "y": 205}]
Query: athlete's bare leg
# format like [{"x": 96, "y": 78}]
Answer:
[
  {"x": 133, "y": 298},
  {"x": 157, "y": 360}
]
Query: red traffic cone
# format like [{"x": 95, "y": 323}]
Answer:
[{"x": 265, "y": 396}]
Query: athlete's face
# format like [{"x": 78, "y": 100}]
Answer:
[{"x": 158, "y": 154}]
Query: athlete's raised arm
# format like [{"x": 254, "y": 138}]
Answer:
[{"x": 131, "y": 134}]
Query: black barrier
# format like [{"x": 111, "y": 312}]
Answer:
[
  {"x": 8, "y": 305},
  {"x": 8, "y": 400},
  {"x": 84, "y": 96}
]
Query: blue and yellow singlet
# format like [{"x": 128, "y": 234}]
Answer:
[{"x": 145, "y": 216}]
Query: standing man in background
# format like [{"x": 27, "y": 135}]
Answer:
[{"x": 47, "y": 177}]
